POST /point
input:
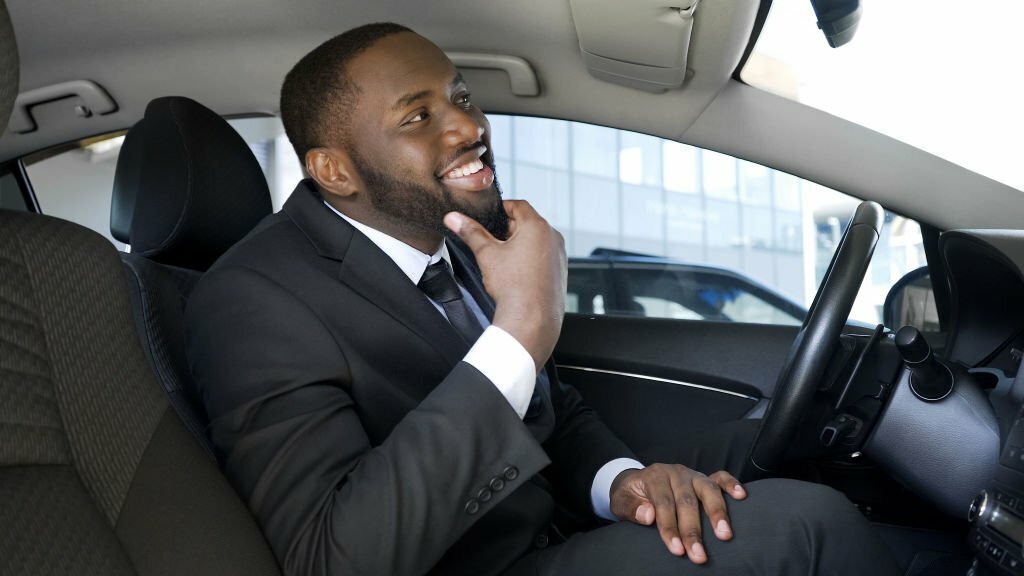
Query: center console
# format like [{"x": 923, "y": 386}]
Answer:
[{"x": 997, "y": 513}]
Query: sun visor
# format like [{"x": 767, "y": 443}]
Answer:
[{"x": 642, "y": 44}]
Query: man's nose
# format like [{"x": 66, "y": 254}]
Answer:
[{"x": 461, "y": 128}]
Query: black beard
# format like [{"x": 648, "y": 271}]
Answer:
[{"x": 414, "y": 207}]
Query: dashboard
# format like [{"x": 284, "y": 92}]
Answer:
[{"x": 986, "y": 337}]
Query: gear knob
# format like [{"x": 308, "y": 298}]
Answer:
[{"x": 930, "y": 380}]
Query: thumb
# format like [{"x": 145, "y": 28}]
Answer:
[
  {"x": 470, "y": 231},
  {"x": 633, "y": 508}
]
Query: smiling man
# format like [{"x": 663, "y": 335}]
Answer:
[{"x": 384, "y": 399}]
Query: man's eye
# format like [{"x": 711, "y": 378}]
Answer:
[
  {"x": 464, "y": 100},
  {"x": 417, "y": 118}
]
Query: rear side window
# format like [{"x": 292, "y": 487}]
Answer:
[
  {"x": 11, "y": 197},
  {"x": 75, "y": 182}
]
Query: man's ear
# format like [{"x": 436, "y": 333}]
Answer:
[{"x": 333, "y": 170}]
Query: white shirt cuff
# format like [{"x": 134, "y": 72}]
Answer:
[
  {"x": 600, "y": 490},
  {"x": 504, "y": 361}
]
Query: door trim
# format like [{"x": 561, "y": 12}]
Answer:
[{"x": 656, "y": 379}]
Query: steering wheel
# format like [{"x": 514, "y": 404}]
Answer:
[{"x": 814, "y": 344}]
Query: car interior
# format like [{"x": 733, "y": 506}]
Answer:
[{"x": 917, "y": 416}]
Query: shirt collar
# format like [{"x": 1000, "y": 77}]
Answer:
[{"x": 411, "y": 261}]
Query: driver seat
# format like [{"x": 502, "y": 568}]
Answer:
[{"x": 98, "y": 474}]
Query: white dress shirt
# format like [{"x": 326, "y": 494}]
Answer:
[{"x": 496, "y": 354}]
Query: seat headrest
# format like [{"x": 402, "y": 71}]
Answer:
[
  {"x": 8, "y": 67},
  {"x": 187, "y": 186}
]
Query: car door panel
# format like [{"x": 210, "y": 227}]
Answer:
[{"x": 650, "y": 379}]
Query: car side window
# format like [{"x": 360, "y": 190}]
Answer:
[
  {"x": 588, "y": 290},
  {"x": 761, "y": 239},
  {"x": 701, "y": 293},
  {"x": 11, "y": 197}
]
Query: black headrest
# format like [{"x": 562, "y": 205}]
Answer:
[{"x": 187, "y": 186}]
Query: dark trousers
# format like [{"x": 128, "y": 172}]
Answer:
[{"x": 782, "y": 528}]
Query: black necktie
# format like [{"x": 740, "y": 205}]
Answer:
[{"x": 439, "y": 285}]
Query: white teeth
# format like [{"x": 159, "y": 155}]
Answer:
[{"x": 466, "y": 169}]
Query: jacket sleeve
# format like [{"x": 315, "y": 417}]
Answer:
[
  {"x": 579, "y": 446},
  {"x": 274, "y": 382}
]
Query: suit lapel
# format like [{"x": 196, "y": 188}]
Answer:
[{"x": 368, "y": 271}]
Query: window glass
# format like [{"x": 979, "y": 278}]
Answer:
[
  {"x": 682, "y": 291},
  {"x": 501, "y": 135},
  {"x": 661, "y": 308},
  {"x": 719, "y": 173},
  {"x": 587, "y": 288},
  {"x": 755, "y": 184},
  {"x": 11, "y": 197},
  {"x": 595, "y": 218},
  {"x": 757, "y": 227},
  {"x": 643, "y": 219},
  {"x": 594, "y": 150},
  {"x": 630, "y": 194},
  {"x": 745, "y": 307},
  {"x": 76, "y": 182},
  {"x": 541, "y": 141},
  {"x": 640, "y": 159},
  {"x": 684, "y": 227},
  {"x": 680, "y": 169},
  {"x": 547, "y": 189}
]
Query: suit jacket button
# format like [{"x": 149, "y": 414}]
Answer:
[
  {"x": 472, "y": 507},
  {"x": 541, "y": 541},
  {"x": 497, "y": 484},
  {"x": 510, "y": 473},
  {"x": 483, "y": 495}
]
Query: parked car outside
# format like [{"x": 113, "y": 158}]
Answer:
[{"x": 611, "y": 281}]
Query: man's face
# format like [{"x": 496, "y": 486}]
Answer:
[{"x": 421, "y": 147}]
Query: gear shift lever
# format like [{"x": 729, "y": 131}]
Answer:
[{"x": 930, "y": 380}]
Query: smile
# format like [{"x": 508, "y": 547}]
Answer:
[
  {"x": 471, "y": 167},
  {"x": 471, "y": 175}
]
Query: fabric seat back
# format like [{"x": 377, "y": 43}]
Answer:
[{"x": 97, "y": 472}]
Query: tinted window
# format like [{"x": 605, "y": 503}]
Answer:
[
  {"x": 678, "y": 292},
  {"x": 11, "y": 197},
  {"x": 589, "y": 289}
]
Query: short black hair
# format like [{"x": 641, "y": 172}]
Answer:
[{"x": 318, "y": 94}]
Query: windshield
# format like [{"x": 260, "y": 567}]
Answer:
[{"x": 939, "y": 75}]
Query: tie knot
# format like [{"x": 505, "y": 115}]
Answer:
[{"x": 438, "y": 283}]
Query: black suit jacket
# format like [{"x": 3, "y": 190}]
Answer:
[{"x": 344, "y": 415}]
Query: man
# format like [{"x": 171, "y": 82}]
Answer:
[{"x": 381, "y": 417}]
